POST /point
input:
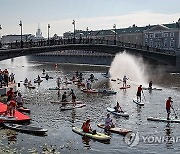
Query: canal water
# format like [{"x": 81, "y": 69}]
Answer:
[{"x": 150, "y": 137}]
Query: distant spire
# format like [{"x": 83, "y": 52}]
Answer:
[{"x": 38, "y": 26}]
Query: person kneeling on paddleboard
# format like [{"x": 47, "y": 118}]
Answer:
[
  {"x": 118, "y": 108},
  {"x": 87, "y": 128},
  {"x": 108, "y": 122},
  {"x": 168, "y": 107},
  {"x": 139, "y": 93}
]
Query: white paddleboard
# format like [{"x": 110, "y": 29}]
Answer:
[
  {"x": 123, "y": 114},
  {"x": 162, "y": 119},
  {"x": 138, "y": 102}
]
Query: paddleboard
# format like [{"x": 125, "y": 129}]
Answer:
[
  {"x": 128, "y": 86},
  {"x": 151, "y": 88},
  {"x": 56, "y": 88},
  {"x": 71, "y": 107},
  {"x": 173, "y": 119},
  {"x": 117, "y": 130},
  {"x": 97, "y": 136},
  {"x": 38, "y": 81},
  {"x": 23, "y": 109},
  {"x": 47, "y": 77},
  {"x": 90, "y": 91},
  {"x": 104, "y": 91},
  {"x": 26, "y": 128},
  {"x": 31, "y": 87},
  {"x": 68, "y": 102},
  {"x": 7, "y": 118},
  {"x": 123, "y": 114},
  {"x": 137, "y": 102}
]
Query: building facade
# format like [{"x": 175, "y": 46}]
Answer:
[{"x": 165, "y": 36}]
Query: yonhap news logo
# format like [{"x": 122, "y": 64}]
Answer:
[{"x": 133, "y": 139}]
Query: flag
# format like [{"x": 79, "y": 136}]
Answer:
[{"x": 73, "y": 22}]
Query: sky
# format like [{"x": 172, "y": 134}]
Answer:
[{"x": 94, "y": 14}]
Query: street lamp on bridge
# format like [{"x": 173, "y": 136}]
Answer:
[
  {"x": 48, "y": 33},
  {"x": 74, "y": 31},
  {"x": 87, "y": 30},
  {"x": 20, "y": 24},
  {"x": 114, "y": 26},
  {"x": 0, "y": 30}
]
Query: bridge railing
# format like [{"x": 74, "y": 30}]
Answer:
[{"x": 52, "y": 42}]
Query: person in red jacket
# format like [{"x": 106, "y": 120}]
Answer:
[
  {"x": 10, "y": 94},
  {"x": 139, "y": 93},
  {"x": 87, "y": 128},
  {"x": 168, "y": 106}
]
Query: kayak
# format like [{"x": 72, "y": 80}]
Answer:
[
  {"x": 138, "y": 103},
  {"x": 164, "y": 119},
  {"x": 117, "y": 130},
  {"x": 97, "y": 136},
  {"x": 38, "y": 81},
  {"x": 23, "y": 109},
  {"x": 26, "y": 128},
  {"x": 128, "y": 86},
  {"x": 123, "y": 114},
  {"x": 104, "y": 91},
  {"x": 71, "y": 107},
  {"x": 56, "y": 88},
  {"x": 151, "y": 88},
  {"x": 68, "y": 102},
  {"x": 90, "y": 90},
  {"x": 7, "y": 118}
]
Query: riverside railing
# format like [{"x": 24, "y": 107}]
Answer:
[{"x": 42, "y": 43}]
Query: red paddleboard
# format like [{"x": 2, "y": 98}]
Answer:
[{"x": 128, "y": 86}]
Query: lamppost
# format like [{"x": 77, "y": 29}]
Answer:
[
  {"x": 74, "y": 31},
  {"x": 114, "y": 26},
  {"x": 48, "y": 33},
  {"x": 87, "y": 32},
  {"x": 0, "y": 37},
  {"x": 20, "y": 24}
]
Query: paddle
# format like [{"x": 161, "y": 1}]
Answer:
[
  {"x": 144, "y": 96},
  {"x": 174, "y": 112}
]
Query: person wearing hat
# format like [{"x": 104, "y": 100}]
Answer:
[
  {"x": 108, "y": 122},
  {"x": 168, "y": 106}
]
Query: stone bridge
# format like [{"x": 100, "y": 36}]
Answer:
[{"x": 167, "y": 57}]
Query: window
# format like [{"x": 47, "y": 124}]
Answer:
[
  {"x": 158, "y": 35},
  {"x": 151, "y": 35},
  {"x": 165, "y": 44},
  {"x": 172, "y": 44},
  {"x": 165, "y": 34},
  {"x": 151, "y": 44},
  {"x": 146, "y": 35},
  {"x": 172, "y": 34}
]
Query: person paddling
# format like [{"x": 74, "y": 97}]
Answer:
[
  {"x": 118, "y": 108},
  {"x": 139, "y": 92},
  {"x": 168, "y": 107},
  {"x": 108, "y": 122},
  {"x": 87, "y": 128},
  {"x": 125, "y": 81},
  {"x": 150, "y": 85},
  {"x": 73, "y": 97}
]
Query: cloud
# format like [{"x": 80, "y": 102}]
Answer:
[{"x": 141, "y": 18}]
